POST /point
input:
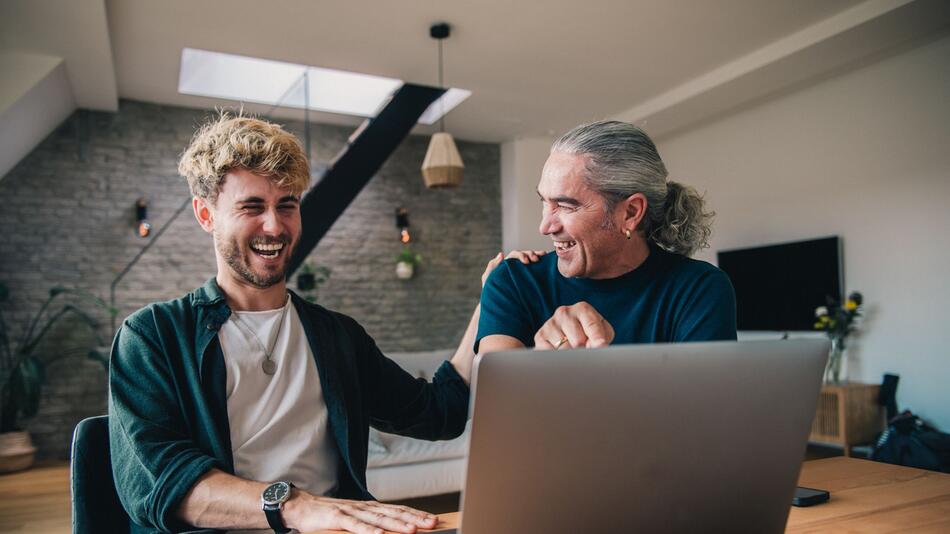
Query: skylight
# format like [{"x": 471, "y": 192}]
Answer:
[{"x": 248, "y": 79}]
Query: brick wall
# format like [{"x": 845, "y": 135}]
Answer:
[{"x": 68, "y": 216}]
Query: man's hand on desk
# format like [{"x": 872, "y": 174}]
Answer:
[
  {"x": 223, "y": 501},
  {"x": 307, "y": 513},
  {"x": 575, "y": 326}
]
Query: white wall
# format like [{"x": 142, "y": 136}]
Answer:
[
  {"x": 865, "y": 155},
  {"x": 34, "y": 100},
  {"x": 521, "y": 163},
  {"x": 76, "y": 31}
]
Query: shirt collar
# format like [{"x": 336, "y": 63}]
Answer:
[{"x": 209, "y": 294}]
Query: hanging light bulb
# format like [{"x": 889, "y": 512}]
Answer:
[
  {"x": 402, "y": 222},
  {"x": 442, "y": 166},
  {"x": 142, "y": 227}
]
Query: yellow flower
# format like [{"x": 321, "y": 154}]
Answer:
[{"x": 850, "y": 305}]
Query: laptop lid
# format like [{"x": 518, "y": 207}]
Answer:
[{"x": 691, "y": 437}]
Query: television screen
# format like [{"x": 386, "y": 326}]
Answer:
[{"x": 778, "y": 287}]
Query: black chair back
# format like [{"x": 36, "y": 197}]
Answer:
[
  {"x": 96, "y": 506},
  {"x": 888, "y": 395}
]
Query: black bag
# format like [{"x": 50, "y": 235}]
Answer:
[
  {"x": 908, "y": 440},
  {"x": 911, "y": 442}
]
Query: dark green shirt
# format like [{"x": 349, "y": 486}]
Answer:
[{"x": 168, "y": 417}]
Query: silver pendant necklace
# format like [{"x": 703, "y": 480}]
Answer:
[{"x": 268, "y": 365}]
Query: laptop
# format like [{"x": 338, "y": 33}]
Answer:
[{"x": 691, "y": 437}]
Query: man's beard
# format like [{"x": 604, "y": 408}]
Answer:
[{"x": 231, "y": 253}]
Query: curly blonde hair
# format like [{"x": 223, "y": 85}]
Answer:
[{"x": 226, "y": 142}]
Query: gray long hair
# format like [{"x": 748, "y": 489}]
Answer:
[{"x": 622, "y": 160}]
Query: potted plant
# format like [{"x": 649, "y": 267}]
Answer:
[
  {"x": 406, "y": 262},
  {"x": 838, "y": 321},
  {"x": 310, "y": 278},
  {"x": 23, "y": 368}
]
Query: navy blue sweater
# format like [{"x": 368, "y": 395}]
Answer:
[{"x": 668, "y": 298}]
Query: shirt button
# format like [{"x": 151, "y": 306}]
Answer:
[{"x": 213, "y": 326}]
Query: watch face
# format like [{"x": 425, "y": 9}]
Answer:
[{"x": 276, "y": 493}]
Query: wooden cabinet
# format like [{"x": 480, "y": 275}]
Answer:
[{"x": 848, "y": 414}]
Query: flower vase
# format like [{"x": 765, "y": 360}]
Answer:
[{"x": 835, "y": 357}]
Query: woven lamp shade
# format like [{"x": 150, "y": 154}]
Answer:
[{"x": 442, "y": 167}]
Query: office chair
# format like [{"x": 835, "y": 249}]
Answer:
[{"x": 96, "y": 506}]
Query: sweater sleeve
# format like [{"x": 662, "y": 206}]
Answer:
[
  {"x": 401, "y": 404},
  {"x": 503, "y": 310},
  {"x": 708, "y": 312},
  {"x": 154, "y": 463}
]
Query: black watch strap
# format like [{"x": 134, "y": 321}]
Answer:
[
  {"x": 276, "y": 522},
  {"x": 273, "y": 505}
]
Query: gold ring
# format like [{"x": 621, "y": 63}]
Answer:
[{"x": 561, "y": 342}]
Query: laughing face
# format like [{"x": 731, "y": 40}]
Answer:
[
  {"x": 256, "y": 226},
  {"x": 587, "y": 240}
]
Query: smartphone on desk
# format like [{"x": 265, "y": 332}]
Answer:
[{"x": 809, "y": 496}]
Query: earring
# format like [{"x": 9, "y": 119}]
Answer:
[{"x": 629, "y": 234}]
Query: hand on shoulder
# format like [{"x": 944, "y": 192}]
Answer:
[{"x": 524, "y": 256}]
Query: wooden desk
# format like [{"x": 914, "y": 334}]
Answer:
[
  {"x": 865, "y": 497},
  {"x": 869, "y": 496}
]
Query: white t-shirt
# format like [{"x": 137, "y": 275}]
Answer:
[{"x": 279, "y": 427}]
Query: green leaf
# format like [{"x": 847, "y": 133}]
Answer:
[
  {"x": 408, "y": 256},
  {"x": 68, "y": 308},
  {"x": 83, "y": 294},
  {"x": 99, "y": 357},
  {"x": 26, "y": 384},
  {"x": 56, "y": 291}
]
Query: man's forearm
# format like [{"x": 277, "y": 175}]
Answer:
[
  {"x": 222, "y": 501},
  {"x": 464, "y": 357},
  {"x": 465, "y": 354},
  {"x": 226, "y": 502},
  {"x": 498, "y": 343}
]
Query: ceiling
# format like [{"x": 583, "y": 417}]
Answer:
[{"x": 535, "y": 67}]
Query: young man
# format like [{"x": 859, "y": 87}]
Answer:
[
  {"x": 622, "y": 235},
  {"x": 242, "y": 406}
]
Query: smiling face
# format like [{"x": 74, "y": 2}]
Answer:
[
  {"x": 256, "y": 226},
  {"x": 589, "y": 242}
]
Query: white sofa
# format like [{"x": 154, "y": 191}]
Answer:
[{"x": 403, "y": 468}]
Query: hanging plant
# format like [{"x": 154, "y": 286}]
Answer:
[
  {"x": 310, "y": 279},
  {"x": 406, "y": 262}
]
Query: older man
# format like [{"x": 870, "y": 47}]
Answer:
[
  {"x": 622, "y": 234},
  {"x": 242, "y": 406}
]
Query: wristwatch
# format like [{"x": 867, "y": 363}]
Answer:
[{"x": 272, "y": 501}]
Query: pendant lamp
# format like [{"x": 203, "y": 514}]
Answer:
[{"x": 442, "y": 166}]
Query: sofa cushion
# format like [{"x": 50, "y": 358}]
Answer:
[
  {"x": 402, "y": 450},
  {"x": 376, "y": 445}
]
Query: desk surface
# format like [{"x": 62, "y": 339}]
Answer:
[
  {"x": 865, "y": 497},
  {"x": 873, "y": 497}
]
